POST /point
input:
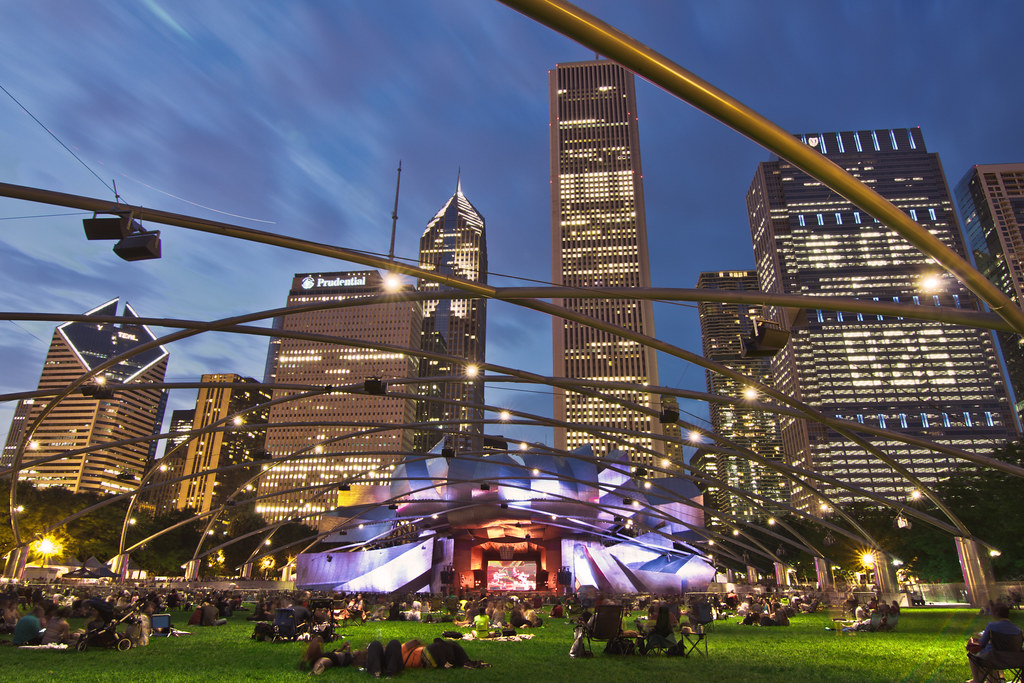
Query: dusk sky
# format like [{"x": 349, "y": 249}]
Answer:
[{"x": 292, "y": 116}]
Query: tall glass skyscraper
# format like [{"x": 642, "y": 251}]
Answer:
[
  {"x": 237, "y": 443},
  {"x": 723, "y": 327},
  {"x": 82, "y": 421},
  {"x": 599, "y": 239},
  {"x": 346, "y": 436},
  {"x": 454, "y": 243},
  {"x": 927, "y": 379},
  {"x": 991, "y": 199}
]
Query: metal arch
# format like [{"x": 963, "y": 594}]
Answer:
[
  {"x": 593, "y": 33},
  {"x": 885, "y": 501},
  {"x": 32, "y": 194},
  {"x": 182, "y": 448}
]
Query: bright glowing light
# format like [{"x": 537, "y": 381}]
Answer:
[
  {"x": 523, "y": 446},
  {"x": 33, "y": 445},
  {"x": 735, "y": 532},
  {"x": 931, "y": 283},
  {"x": 695, "y": 436},
  {"x": 237, "y": 420},
  {"x": 132, "y": 521},
  {"x": 392, "y": 282},
  {"x": 647, "y": 484},
  {"x": 210, "y": 532},
  {"x": 771, "y": 520},
  {"x": 710, "y": 542},
  {"x": 472, "y": 370},
  {"x": 750, "y": 393},
  {"x": 47, "y": 546},
  {"x": 868, "y": 559},
  {"x": 536, "y": 471},
  {"x": 916, "y": 495},
  {"x": 266, "y": 542},
  {"x": 163, "y": 468},
  {"x": 20, "y": 508},
  {"x": 636, "y": 503},
  {"x": 825, "y": 507},
  {"x": 318, "y": 449},
  {"x": 994, "y": 553},
  {"x": 100, "y": 379},
  {"x": 665, "y": 462},
  {"x": 504, "y": 416}
]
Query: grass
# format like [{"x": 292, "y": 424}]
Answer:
[{"x": 929, "y": 646}]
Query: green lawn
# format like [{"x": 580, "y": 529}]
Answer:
[{"x": 929, "y": 646}]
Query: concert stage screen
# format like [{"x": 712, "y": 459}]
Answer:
[{"x": 511, "y": 576}]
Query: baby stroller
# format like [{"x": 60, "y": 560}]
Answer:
[
  {"x": 324, "y": 622},
  {"x": 107, "y": 636}
]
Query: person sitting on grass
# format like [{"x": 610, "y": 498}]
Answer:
[
  {"x": 557, "y": 611},
  {"x": 980, "y": 651},
  {"x": 482, "y": 625},
  {"x": 28, "y": 630},
  {"x": 57, "y": 629}
]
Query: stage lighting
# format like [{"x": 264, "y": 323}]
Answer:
[
  {"x": 96, "y": 391},
  {"x": 504, "y": 506},
  {"x": 330, "y": 558},
  {"x": 139, "y": 247},
  {"x": 115, "y": 227},
  {"x": 668, "y": 416},
  {"x": 392, "y": 507},
  {"x": 447, "y": 452},
  {"x": 485, "y": 487},
  {"x": 344, "y": 487},
  {"x": 375, "y": 386},
  {"x": 765, "y": 341}
]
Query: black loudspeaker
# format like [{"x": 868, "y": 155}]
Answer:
[
  {"x": 139, "y": 247},
  {"x": 447, "y": 577},
  {"x": 479, "y": 577},
  {"x": 542, "y": 577}
]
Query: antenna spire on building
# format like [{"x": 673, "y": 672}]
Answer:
[{"x": 394, "y": 213}]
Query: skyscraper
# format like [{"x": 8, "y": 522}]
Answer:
[
  {"x": 238, "y": 442},
  {"x": 161, "y": 496},
  {"x": 81, "y": 421},
  {"x": 345, "y": 435},
  {"x": 922, "y": 378},
  {"x": 991, "y": 199},
  {"x": 599, "y": 239},
  {"x": 454, "y": 244},
  {"x": 722, "y": 327}
]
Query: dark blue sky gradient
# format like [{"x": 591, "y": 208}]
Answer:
[{"x": 296, "y": 114}]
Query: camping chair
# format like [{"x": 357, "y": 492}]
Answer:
[
  {"x": 1005, "y": 656},
  {"x": 284, "y": 625},
  {"x": 160, "y": 624},
  {"x": 876, "y": 621},
  {"x": 605, "y": 625},
  {"x": 890, "y": 622},
  {"x": 704, "y": 616}
]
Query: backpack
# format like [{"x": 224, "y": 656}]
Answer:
[
  {"x": 579, "y": 648},
  {"x": 620, "y": 646},
  {"x": 264, "y": 631}
]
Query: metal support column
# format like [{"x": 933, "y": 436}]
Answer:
[
  {"x": 977, "y": 569},
  {"x": 823, "y": 570}
]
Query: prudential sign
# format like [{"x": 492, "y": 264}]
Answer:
[{"x": 310, "y": 282}]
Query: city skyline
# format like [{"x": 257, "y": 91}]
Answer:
[{"x": 321, "y": 165}]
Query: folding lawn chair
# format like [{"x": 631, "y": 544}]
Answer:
[
  {"x": 1006, "y": 656},
  {"x": 605, "y": 625},
  {"x": 160, "y": 624}
]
